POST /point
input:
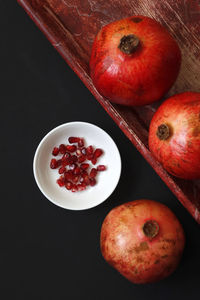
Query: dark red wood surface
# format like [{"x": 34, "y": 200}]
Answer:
[{"x": 71, "y": 26}]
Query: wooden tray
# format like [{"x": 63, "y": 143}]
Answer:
[{"x": 71, "y": 26}]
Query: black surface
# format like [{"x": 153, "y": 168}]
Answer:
[{"x": 47, "y": 252}]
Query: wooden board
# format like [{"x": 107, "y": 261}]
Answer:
[{"x": 71, "y": 26}]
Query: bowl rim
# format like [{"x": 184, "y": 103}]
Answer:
[{"x": 36, "y": 156}]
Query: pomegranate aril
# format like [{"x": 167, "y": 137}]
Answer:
[
  {"x": 62, "y": 170},
  {"x": 75, "y": 178},
  {"x": 90, "y": 156},
  {"x": 93, "y": 173},
  {"x": 81, "y": 187},
  {"x": 71, "y": 148},
  {"x": 82, "y": 158},
  {"x": 78, "y": 152},
  {"x": 73, "y": 139},
  {"x": 97, "y": 153},
  {"x": 90, "y": 150},
  {"x": 81, "y": 143},
  {"x": 62, "y": 149},
  {"x": 86, "y": 180},
  {"x": 74, "y": 158},
  {"x": 84, "y": 166},
  {"x": 68, "y": 175},
  {"x": 61, "y": 181},
  {"x": 68, "y": 185},
  {"x": 101, "y": 168},
  {"x": 94, "y": 160},
  {"x": 55, "y": 151},
  {"x": 74, "y": 188},
  {"x": 92, "y": 181},
  {"x": 77, "y": 171},
  {"x": 66, "y": 155},
  {"x": 53, "y": 163}
]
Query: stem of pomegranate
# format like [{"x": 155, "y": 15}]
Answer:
[
  {"x": 163, "y": 132},
  {"x": 150, "y": 228},
  {"x": 129, "y": 43}
]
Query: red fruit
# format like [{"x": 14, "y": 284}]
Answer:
[
  {"x": 93, "y": 172},
  {"x": 90, "y": 156},
  {"x": 62, "y": 170},
  {"x": 69, "y": 175},
  {"x": 85, "y": 166},
  {"x": 73, "y": 139},
  {"x": 72, "y": 167},
  {"x": 71, "y": 148},
  {"x": 92, "y": 181},
  {"x": 53, "y": 163},
  {"x": 81, "y": 143},
  {"x": 94, "y": 160},
  {"x": 134, "y": 61},
  {"x": 77, "y": 171},
  {"x": 62, "y": 149},
  {"x": 83, "y": 151},
  {"x": 55, "y": 151},
  {"x": 97, "y": 153},
  {"x": 82, "y": 158},
  {"x": 174, "y": 135},
  {"x": 74, "y": 188},
  {"x": 81, "y": 187},
  {"x": 89, "y": 150},
  {"x": 86, "y": 179},
  {"x": 61, "y": 181},
  {"x": 68, "y": 185},
  {"x": 101, "y": 168},
  {"x": 143, "y": 240}
]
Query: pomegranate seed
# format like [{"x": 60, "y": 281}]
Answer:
[
  {"x": 59, "y": 162},
  {"x": 62, "y": 170},
  {"x": 65, "y": 159},
  {"x": 77, "y": 171},
  {"x": 86, "y": 180},
  {"x": 81, "y": 143},
  {"x": 53, "y": 164},
  {"x": 101, "y": 168},
  {"x": 74, "y": 188},
  {"x": 62, "y": 149},
  {"x": 93, "y": 173},
  {"x": 78, "y": 152},
  {"x": 71, "y": 148},
  {"x": 90, "y": 156},
  {"x": 74, "y": 158},
  {"x": 82, "y": 158},
  {"x": 92, "y": 181},
  {"x": 68, "y": 185},
  {"x": 97, "y": 153},
  {"x": 55, "y": 151},
  {"x": 81, "y": 187},
  {"x": 83, "y": 151},
  {"x": 94, "y": 160},
  {"x": 66, "y": 155},
  {"x": 75, "y": 179},
  {"x": 85, "y": 166},
  {"x": 68, "y": 175},
  {"x": 61, "y": 181},
  {"x": 90, "y": 150},
  {"x": 73, "y": 139}
]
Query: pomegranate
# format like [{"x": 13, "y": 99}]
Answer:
[
  {"x": 174, "y": 135},
  {"x": 143, "y": 240},
  {"x": 134, "y": 61}
]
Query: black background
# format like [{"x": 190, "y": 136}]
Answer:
[{"x": 47, "y": 252}]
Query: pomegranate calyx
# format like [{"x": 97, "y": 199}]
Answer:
[
  {"x": 163, "y": 132},
  {"x": 129, "y": 43},
  {"x": 150, "y": 228}
]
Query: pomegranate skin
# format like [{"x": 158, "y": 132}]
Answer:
[
  {"x": 138, "y": 257},
  {"x": 141, "y": 77},
  {"x": 180, "y": 152}
]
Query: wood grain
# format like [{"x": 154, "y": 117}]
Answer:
[{"x": 71, "y": 26}]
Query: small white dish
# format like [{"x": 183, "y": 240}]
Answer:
[{"x": 106, "y": 181}]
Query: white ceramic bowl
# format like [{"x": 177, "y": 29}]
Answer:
[{"x": 106, "y": 180}]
